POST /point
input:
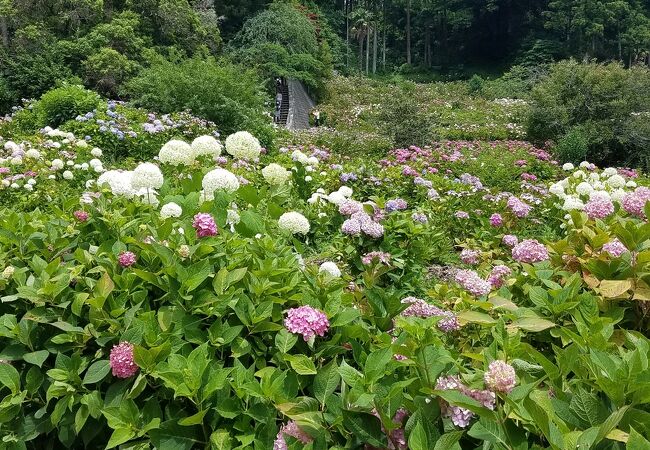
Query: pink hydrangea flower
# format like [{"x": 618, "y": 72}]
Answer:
[
  {"x": 599, "y": 208},
  {"x": 290, "y": 429},
  {"x": 381, "y": 257},
  {"x": 306, "y": 321},
  {"x": 634, "y": 202},
  {"x": 473, "y": 283},
  {"x": 121, "y": 360},
  {"x": 127, "y": 259},
  {"x": 615, "y": 248},
  {"x": 204, "y": 225},
  {"x": 500, "y": 377},
  {"x": 81, "y": 216},
  {"x": 510, "y": 240},
  {"x": 529, "y": 251},
  {"x": 518, "y": 207},
  {"x": 461, "y": 215},
  {"x": 461, "y": 417},
  {"x": 351, "y": 227},
  {"x": 496, "y": 220},
  {"x": 498, "y": 276},
  {"x": 420, "y": 308},
  {"x": 396, "y": 437},
  {"x": 349, "y": 207},
  {"x": 469, "y": 256}
]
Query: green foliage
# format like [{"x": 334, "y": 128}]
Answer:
[
  {"x": 7, "y": 97},
  {"x": 214, "y": 89},
  {"x": 599, "y": 99},
  {"x": 106, "y": 71},
  {"x": 62, "y": 104},
  {"x": 573, "y": 146}
]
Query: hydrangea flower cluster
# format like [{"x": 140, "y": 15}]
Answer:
[
  {"x": 510, "y": 240},
  {"x": 461, "y": 215},
  {"x": 121, "y": 360},
  {"x": 307, "y": 321},
  {"x": 473, "y": 283},
  {"x": 290, "y": 429},
  {"x": 419, "y": 217},
  {"x": 349, "y": 207},
  {"x": 420, "y": 308},
  {"x": 518, "y": 207},
  {"x": 275, "y": 174},
  {"x": 294, "y": 223},
  {"x": 634, "y": 202},
  {"x": 615, "y": 248},
  {"x": 496, "y": 220},
  {"x": 529, "y": 251},
  {"x": 397, "y": 204},
  {"x": 127, "y": 259},
  {"x": 170, "y": 209},
  {"x": 220, "y": 179},
  {"x": 147, "y": 176},
  {"x": 397, "y": 436},
  {"x": 204, "y": 225},
  {"x": 599, "y": 208},
  {"x": 362, "y": 222},
  {"x": 469, "y": 256},
  {"x": 498, "y": 276},
  {"x": 243, "y": 145},
  {"x": 206, "y": 145},
  {"x": 81, "y": 216},
  {"x": 500, "y": 377},
  {"x": 330, "y": 268},
  {"x": 176, "y": 152},
  {"x": 382, "y": 257},
  {"x": 461, "y": 417}
]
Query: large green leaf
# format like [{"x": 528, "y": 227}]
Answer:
[
  {"x": 365, "y": 427},
  {"x": 326, "y": 381}
]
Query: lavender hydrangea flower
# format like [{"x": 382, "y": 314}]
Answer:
[
  {"x": 510, "y": 240},
  {"x": 615, "y": 248},
  {"x": 397, "y": 204},
  {"x": 599, "y": 208},
  {"x": 469, "y": 256},
  {"x": 473, "y": 283},
  {"x": 420, "y": 308},
  {"x": 496, "y": 220}
]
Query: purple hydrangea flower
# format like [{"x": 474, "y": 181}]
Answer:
[
  {"x": 420, "y": 308},
  {"x": 204, "y": 225},
  {"x": 127, "y": 259},
  {"x": 615, "y": 248},
  {"x": 496, "y": 220},
  {"x": 473, "y": 283},
  {"x": 510, "y": 240},
  {"x": 500, "y": 377},
  {"x": 599, "y": 208},
  {"x": 529, "y": 251},
  {"x": 121, "y": 360},
  {"x": 469, "y": 256},
  {"x": 306, "y": 321}
]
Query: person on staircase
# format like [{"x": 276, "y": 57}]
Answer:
[{"x": 316, "y": 114}]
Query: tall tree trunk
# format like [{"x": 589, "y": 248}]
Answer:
[
  {"x": 620, "y": 48},
  {"x": 361, "y": 41},
  {"x": 368, "y": 33},
  {"x": 374, "y": 50},
  {"x": 4, "y": 31},
  {"x": 408, "y": 32},
  {"x": 347, "y": 34},
  {"x": 383, "y": 55}
]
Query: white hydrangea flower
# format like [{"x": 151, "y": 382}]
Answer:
[
  {"x": 15, "y": 185},
  {"x": 233, "y": 217},
  {"x": 336, "y": 197},
  {"x": 176, "y": 152},
  {"x": 85, "y": 166},
  {"x": 564, "y": 183},
  {"x": 119, "y": 182},
  {"x": 206, "y": 145},
  {"x": 94, "y": 163},
  {"x": 170, "y": 209},
  {"x": 148, "y": 197},
  {"x": 57, "y": 164},
  {"x": 594, "y": 176},
  {"x": 218, "y": 179},
  {"x": 17, "y": 161},
  {"x": 275, "y": 174},
  {"x": 571, "y": 203},
  {"x": 556, "y": 189},
  {"x": 584, "y": 188},
  {"x": 96, "y": 152},
  {"x": 81, "y": 144},
  {"x": 51, "y": 177},
  {"x": 147, "y": 176},
  {"x": 308, "y": 178},
  {"x": 568, "y": 167},
  {"x": 615, "y": 181},
  {"x": 294, "y": 223},
  {"x": 31, "y": 181},
  {"x": 609, "y": 172},
  {"x": 300, "y": 157},
  {"x": 346, "y": 191},
  {"x": 579, "y": 174},
  {"x": 28, "y": 187},
  {"x": 312, "y": 161},
  {"x": 11, "y": 146},
  {"x": 617, "y": 195},
  {"x": 604, "y": 195},
  {"x": 630, "y": 184},
  {"x": 330, "y": 268},
  {"x": 205, "y": 197},
  {"x": 68, "y": 175},
  {"x": 33, "y": 154},
  {"x": 243, "y": 145}
]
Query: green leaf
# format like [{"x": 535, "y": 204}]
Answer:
[
  {"x": 586, "y": 406},
  {"x": 196, "y": 419},
  {"x": 285, "y": 340},
  {"x": 376, "y": 364},
  {"x": 120, "y": 436},
  {"x": 614, "y": 288},
  {"x": 199, "y": 272},
  {"x": 105, "y": 286},
  {"x": 37, "y": 358},
  {"x": 449, "y": 441},
  {"x": 532, "y": 324},
  {"x": 636, "y": 441},
  {"x": 220, "y": 440},
  {"x": 326, "y": 381},
  {"x": 487, "y": 430},
  {"x": 301, "y": 364},
  {"x": 365, "y": 427},
  {"x": 171, "y": 436},
  {"x": 97, "y": 371},
  {"x": 418, "y": 439},
  {"x": 9, "y": 377},
  {"x": 469, "y": 316}
]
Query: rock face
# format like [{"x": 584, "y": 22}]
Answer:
[{"x": 300, "y": 106}]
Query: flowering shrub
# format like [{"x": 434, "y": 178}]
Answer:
[{"x": 302, "y": 299}]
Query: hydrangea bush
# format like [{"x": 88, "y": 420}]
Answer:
[{"x": 302, "y": 300}]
